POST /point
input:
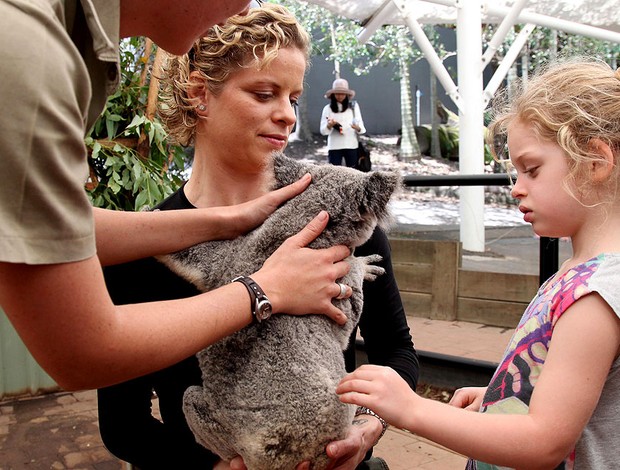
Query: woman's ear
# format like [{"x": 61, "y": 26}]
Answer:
[
  {"x": 601, "y": 168},
  {"x": 197, "y": 92}
]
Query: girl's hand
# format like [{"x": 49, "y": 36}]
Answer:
[
  {"x": 468, "y": 398},
  {"x": 382, "y": 390}
]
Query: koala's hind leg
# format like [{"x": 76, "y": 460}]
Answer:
[{"x": 208, "y": 433}]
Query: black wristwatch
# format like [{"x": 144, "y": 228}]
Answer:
[{"x": 261, "y": 307}]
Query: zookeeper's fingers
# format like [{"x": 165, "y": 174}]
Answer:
[
  {"x": 281, "y": 195},
  {"x": 312, "y": 230},
  {"x": 250, "y": 214}
]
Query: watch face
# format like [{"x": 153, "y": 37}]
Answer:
[{"x": 263, "y": 309}]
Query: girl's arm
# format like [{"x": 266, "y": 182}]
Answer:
[
  {"x": 127, "y": 236},
  {"x": 585, "y": 343}
]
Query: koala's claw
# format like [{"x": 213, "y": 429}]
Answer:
[{"x": 371, "y": 271}]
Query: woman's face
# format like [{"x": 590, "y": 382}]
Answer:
[
  {"x": 340, "y": 97},
  {"x": 254, "y": 113}
]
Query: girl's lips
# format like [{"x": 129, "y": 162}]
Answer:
[{"x": 527, "y": 214}]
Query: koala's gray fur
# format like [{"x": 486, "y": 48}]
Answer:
[{"x": 268, "y": 390}]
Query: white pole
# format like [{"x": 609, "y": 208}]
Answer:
[{"x": 471, "y": 135}]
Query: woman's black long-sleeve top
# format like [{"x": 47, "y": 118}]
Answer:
[{"x": 383, "y": 323}]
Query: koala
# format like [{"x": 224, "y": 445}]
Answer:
[{"x": 268, "y": 391}]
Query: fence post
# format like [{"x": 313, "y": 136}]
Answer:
[{"x": 446, "y": 262}]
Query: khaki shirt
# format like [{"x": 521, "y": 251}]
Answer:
[{"x": 59, "y": 63}]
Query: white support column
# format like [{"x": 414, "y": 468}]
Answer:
[{"x": 471, "y": 134}]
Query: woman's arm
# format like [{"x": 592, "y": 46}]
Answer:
[
  {"x": 585, "y": 343},
  {"x": 383, "y": 323},
  {"x": 127, "y": 236},
  {"x": 64, "y": 314}
]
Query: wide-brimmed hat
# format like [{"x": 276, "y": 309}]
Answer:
[{"x": 340, "y": 85}]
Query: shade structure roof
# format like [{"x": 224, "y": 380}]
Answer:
[{"x": 603, "y": 14}]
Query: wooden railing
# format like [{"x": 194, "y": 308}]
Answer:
[{"x": 434, "y": 285}]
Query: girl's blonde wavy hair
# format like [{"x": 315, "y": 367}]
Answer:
[
  {"x": 251, "y": 40},
  {"x": 569, "y": 103}
]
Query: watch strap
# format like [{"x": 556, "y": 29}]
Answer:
[{"x": 256, "y": 293}]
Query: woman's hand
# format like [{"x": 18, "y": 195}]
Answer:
[
  {"x": 468, "y": 398},
  {"x": 300, "y": 280},
  {"x": 382, "y": 390},
  {"x": 348, "y": 453}
]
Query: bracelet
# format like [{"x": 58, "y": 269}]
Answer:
[{"x": 362, "y": 410}]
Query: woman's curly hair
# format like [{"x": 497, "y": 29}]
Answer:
[
  {"x": 569, "y": 102},
  {"x": 251, "y": 40}
]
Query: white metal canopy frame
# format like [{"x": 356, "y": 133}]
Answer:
[{"x": 598, "y": 19}]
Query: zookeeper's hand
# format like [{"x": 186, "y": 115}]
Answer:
[
  {"x": 299, "y": 280},
  {"x": 348, "y": 453},
  {"x": 241, "y": 218}
]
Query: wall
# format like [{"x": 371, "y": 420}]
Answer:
[{"x": 378, "y": 92}]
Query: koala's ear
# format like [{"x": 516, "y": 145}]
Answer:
[
  {"x": 379, "y": 189},
  {"x": 287, "y": 170}
]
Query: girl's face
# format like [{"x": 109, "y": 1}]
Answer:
[
  {"x": 254, "y": 113},
  {"x": 340, "y": 97},
  {"x": 541, "y": 169}
]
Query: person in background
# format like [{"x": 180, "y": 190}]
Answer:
[
  {"x": 554, "y": 401},
  {"x": 342, "y": 122},
  {"x": 233, "y": 98},
  {"x": 60, "y": 61}
]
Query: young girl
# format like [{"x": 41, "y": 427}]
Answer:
[{"x": 554, "y": 401}]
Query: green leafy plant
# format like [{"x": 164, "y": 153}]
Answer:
[{"x": 131, "y": 164}]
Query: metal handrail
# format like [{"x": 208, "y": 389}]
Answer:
[{"x": 548, "y": 248}]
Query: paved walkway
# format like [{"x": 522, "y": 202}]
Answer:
[{"x": 59, "y": 431}]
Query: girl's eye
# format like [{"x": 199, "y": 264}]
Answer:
[
  {"x": 263, "y": 96},
  {"x": 532, "y": 171},
  {"x": 294, "y": 103}
]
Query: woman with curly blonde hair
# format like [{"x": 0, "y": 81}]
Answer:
[{"x": 233, "y": 98}]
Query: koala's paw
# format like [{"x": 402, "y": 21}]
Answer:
[{"x": 371, "y": 271}]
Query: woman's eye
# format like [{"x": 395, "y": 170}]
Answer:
[{"x": 263, "y": 96}]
